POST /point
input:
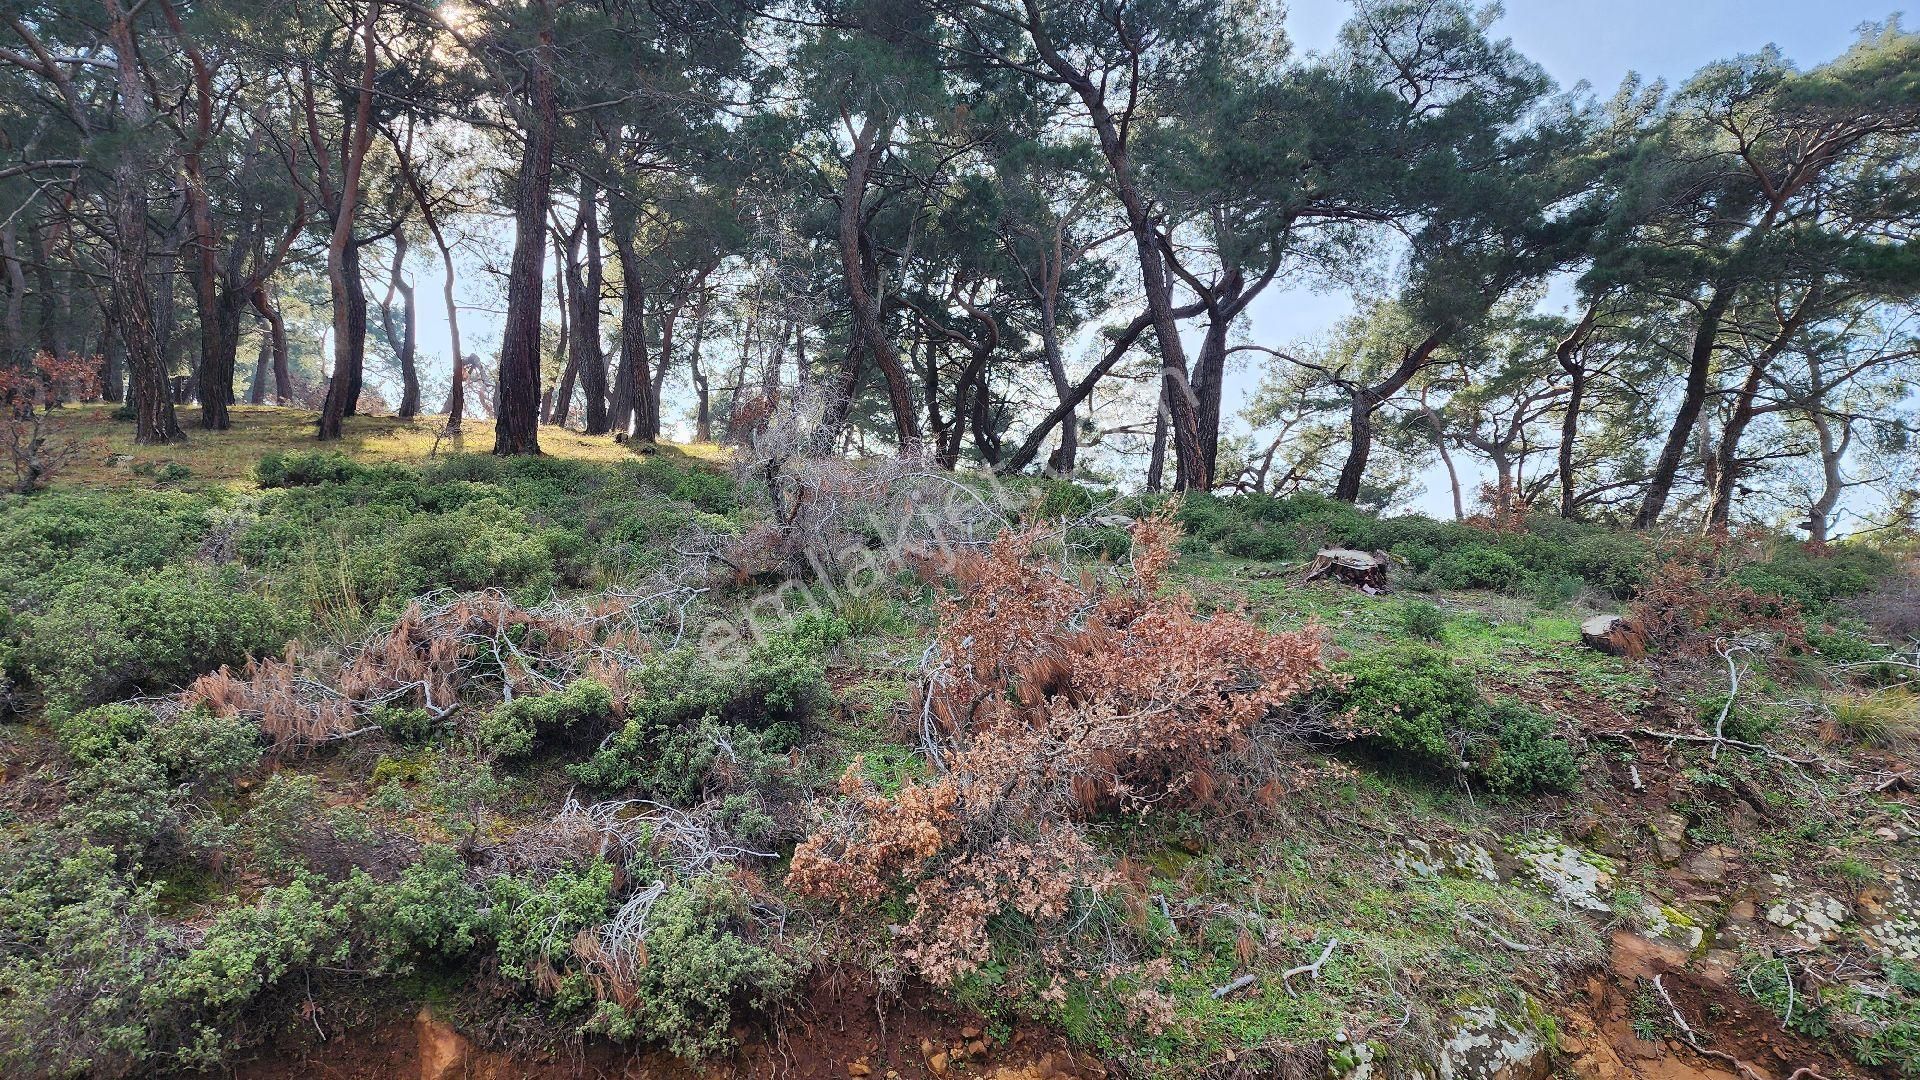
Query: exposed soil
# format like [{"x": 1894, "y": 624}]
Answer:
[
  {"x": 1736, "y": 1038},
  {"x": 836, "y": 1029}
]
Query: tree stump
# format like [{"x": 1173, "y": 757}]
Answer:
[
  {"x": 1613, "y": 635},
  {"x": 1364, "y": 571}
]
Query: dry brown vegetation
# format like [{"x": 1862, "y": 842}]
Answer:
[{"x": 1054, "y": 700}]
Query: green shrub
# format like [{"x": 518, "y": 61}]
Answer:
[
  {"x": 689, "y": 710},
  {"x": 246, "y": 952},
  {"x": 1814, "y": 578},
  {"x": 486, "y": 544},
  {"x": 93, "y": 981},
  {"x": 1476, "y": 566},
  {"x": 700, "y": 967},
  {"x": 1422, "y": 620},
  {"x": 1410, "y": 700},
  {"x": 1417, "y": 708},
  {"x": 1056, "y": 499},
  {"x": 708, "y": 490},
  {"x": 1522, "y": 755},
  {"x": 534, "y": 922},
  {"x": 304, "y": 468},
  {"x": 83, "y": 942},
  {"x": 132, "y": 775},
  {"x": 163, "y": 472},
  {"x": 60, "y": 536},
  {"x": 432, "y": 911},
  {"x": 1746, "y": 721},
  {"x": 105, "y": 635},
  {"x": 1101, "y": 542},
  {"x": 1551, "y": 559},
  {"x": 407, "y": 726},
  {"x": 1613, "y": 561},
  {"x": 513, "y": 727}
]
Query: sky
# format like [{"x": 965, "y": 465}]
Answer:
[{"x": 1593, "y": 41}]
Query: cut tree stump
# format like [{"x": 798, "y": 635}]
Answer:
[
  {"x": 1613, "y": 635},
  {"x": 1364, "y": 571}
]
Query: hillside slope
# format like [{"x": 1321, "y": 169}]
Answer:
[{"x": 386, "y": 759}]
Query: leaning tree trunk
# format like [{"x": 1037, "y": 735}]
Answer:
[
  {"x": 516, "y": 428},
  {"x": 868, "y": 145},
  {"x": 1359, "y": 446},
  {"x": 1699, "y": 369}
]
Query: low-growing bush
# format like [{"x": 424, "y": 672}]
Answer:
[
  {"x": 486, "y": 544},
  {"x": 105, "y": 635},
  {"x": 133, "y": 775},
  {"x": 1417, "y": 708},
  {"x": 407, "y": 726},
  {"x": 689, "y": 711},
  {"x": 1746, "y": 720},
  {"x": 701, "y": 965},
  {"x": 302, "y": 468},
  {"x": 1422, "y": 620},
  {"x": 1815, "y": 576},
  {"x": 1521, "y": 754},
  {"x": 513, "y": 727},
  {"x": 1548, "y": 558},
  {"x": 1476, "y": 566}
]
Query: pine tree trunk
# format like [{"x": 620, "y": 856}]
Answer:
[
  {"x": 349, "y": 342},
  {"x": 633, "y": 408},
  {"x": 592, "y": 368},
  {"x": 130, "y": 299},
  {"x": 517, "y": 422},
  {"x": 262, "y": 370},
  {"x": 1693, "y": 399}
]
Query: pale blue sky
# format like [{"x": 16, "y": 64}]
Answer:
[{"x": 1596, "y": 41}]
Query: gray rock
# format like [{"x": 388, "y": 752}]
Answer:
[{"x": 1482, "y": 1046}]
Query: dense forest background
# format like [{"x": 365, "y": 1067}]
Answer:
[{"x": 1007, "y": 236}]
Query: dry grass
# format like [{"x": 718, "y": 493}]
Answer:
[
  {"x": 226, "y": 458},
  {"x": 1888, "y": 719}
]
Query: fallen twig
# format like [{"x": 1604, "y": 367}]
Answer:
[
  {"x": 1313, "y": 969},
  {"x": 1726, "y": 650},
  {"x": 1222, "y": 991}
]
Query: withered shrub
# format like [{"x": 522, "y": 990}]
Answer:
[
  {"x": 1691, "y": 602},
  {"x": 437, "y": 647},
  {"x": 1054, "y": 700}
]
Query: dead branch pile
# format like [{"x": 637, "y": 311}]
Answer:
[
  {"x": 1690, "y": 603},
  {"x": 440, "y": 645},
  {"x": 826, "y": 514},
  {"x": 1052, "y": 699}
]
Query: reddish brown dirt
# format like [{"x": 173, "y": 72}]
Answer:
[
  {"x": 836, "y": 1030},
  {"x": 1741, "y": 1039}
]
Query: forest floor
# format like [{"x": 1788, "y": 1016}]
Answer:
[
  {"x": 228, "y": 458},
  {"x": 1680, "y": 906}
]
